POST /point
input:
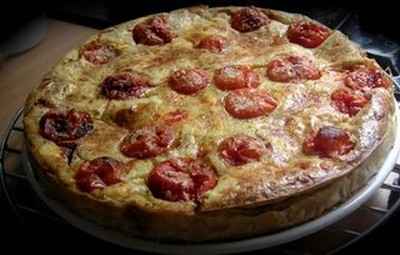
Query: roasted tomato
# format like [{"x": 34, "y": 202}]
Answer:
[
  {"x": 248, "y": 19},
  {"x": 124, "y": 85},
  {"x": 249, "y": 103},
  {"x": 292, "y": 68},
  {"x": 188, "y": 81},
  {"x": 147, "y": 142},
  {"x": 181, "y": 179},
  {"x": 153, "y": 31},
  {"x": 241, "y": 149},
  {"x": 65, "y": 126},
  {"x": 98, "y": 174},
  {"x": 366, "y": 78},
  {"x": 98, "y": 53},
  {"x": 236, "y": 77},
  {"x": 349, "y": 102},
  {"x": 329, "y": 142},
  {"x": 307, "y": 34},
  {"x": 213, "y": 43}
]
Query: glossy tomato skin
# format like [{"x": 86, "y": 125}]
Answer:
[
  {"x": 241, "y": 149},
  {"x": 292, "y": 68},
  {"x": 328, "y": 142},
  {"x": 168, "y": 182},
  {"x": 188, "y": 81},
  {"x": 249, "y": 103},
  {"x": 124, "y": 85},
  {"x": 153, "y": 31},
  {"x": 213, "y": 43},
  {"x": 236, "y": 77},
  {"x": 203, "y": 176},
  {"x": 98, "y": 174},
  {"x": 248, "y": 19},
  {"x": 98, "y": 53},
  {"x": 181, "y": 179},
  {"x": 64, "y": 126},
  {"x": 307, "y": 34},
  {"x": 366, "y": 78},
  {"x": 147, "y": 142},
  {"x": 348, "y": 102}
]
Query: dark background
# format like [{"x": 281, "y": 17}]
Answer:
[
  {"x": 37, "y": 235},
  {"x": 101, "y": 14}
]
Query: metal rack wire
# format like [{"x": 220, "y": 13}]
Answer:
[{"x": 14, "y": 181}]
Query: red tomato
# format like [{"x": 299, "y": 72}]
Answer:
[
  {"x": 249, "y": 103},
  {"x": 248, "y": 19},
  {"x": 241, "y": 149},
  {"x": 153, "y": 31},
  {"x": 98, "y": 53},
  {"x": 124, "y": 85},
  {"x": 63, "y": 126},
  {"x": 366, "y": 78},
  {"x": 292, "y": 68},
  {"x": 147, "y": 142},
  {"x": 98, "y": 174},
  {"x": 236, "y": 77},
  {"x": 181, "y": 179},
  {"x": 307, "y": 34},
  {"x": 328, "y": 142},
  {"x": 188, "y": 81},
  {"x": 347, "y": 101},
  {"x": 213, "y": 43}
]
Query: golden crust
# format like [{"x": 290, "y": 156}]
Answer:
[
  {"x": 245, "y": 199},
  {"x": 135, "y": 220}
]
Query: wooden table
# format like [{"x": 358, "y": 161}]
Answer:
[{"x": 19, "y": 74}]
